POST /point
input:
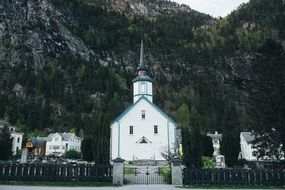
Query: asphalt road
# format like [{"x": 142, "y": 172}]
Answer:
[{"x": 125, "y": 187}]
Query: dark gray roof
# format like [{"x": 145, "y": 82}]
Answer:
[
  {"x": 38, "y": 141},
  {"x": 248, "y": 136},
  {"x": 65, "y": 136},
  {"x": 18, "y": 87}
]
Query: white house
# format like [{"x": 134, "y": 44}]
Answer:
[
  {"x": 59, "y": 143},
  {"x": 143, "y": 129},
  {"x": 247, "y": 151},
  {"x": 17, "y": 140}
]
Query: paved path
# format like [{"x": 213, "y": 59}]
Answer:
[{"x": 125, "y": 187}]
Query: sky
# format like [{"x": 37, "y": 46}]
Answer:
[{"x": 214, "y": 8}]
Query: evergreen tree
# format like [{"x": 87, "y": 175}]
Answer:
[
  {"x": 183, "y": 118},
  {"x": 5, "y": 143},
  {"x": 230, "y": 145},
  {"x": 266, "y": 105},
  {"x": 86, "y": 149},
  {"x": 196, "y": 139},
  {"x": 101, "y": 139},
  {"x": 207, "y": 146}
]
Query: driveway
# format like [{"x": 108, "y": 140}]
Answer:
[{"x": 125, "y": 187}]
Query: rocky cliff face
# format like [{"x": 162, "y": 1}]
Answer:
[
  {"x": 149, "y": 8},
  {"x": 31, "y": 30}
]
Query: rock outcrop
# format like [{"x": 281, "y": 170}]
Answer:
[{"x": 31, "y": 30}]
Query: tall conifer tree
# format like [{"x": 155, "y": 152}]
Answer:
[{"x": 266, "y": 105}]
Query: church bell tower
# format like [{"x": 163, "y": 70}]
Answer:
[{"x": 142, "y": 84}]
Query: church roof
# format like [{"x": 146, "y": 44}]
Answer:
[
  {"x": 134, "y": 104},
  {"x": 142, "y": 78},
  {"x": 248, "y": 136}
]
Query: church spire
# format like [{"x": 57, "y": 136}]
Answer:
[
  {"x": 142, "y": 84},
  {"x": 142, "y": 69},
  {"x": 142, "y": 54}
]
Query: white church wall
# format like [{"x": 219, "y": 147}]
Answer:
[
  {"x": 137, "y": 90},
  {"x": 130, "y": 149}
]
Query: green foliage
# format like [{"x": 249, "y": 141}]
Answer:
[
  {"x": 195, "y": 136},
  {"x": 183, "y": 116},
  {"x": 166, "y": 173},
  {"x": 5, "y": 149},
  {"x": 230, "y": 145},
  {"x": 208, "y": 162},
  {"x": 191, "y": 136},
  {"x": 207, "y": 146},
  {"x": 5, "y": 143},
  {"x": 129, "y": 169},
  {"x": 266, "y": 100},
  {"x": 72, "y": 154},
  {"x": 86, "y": 149}
]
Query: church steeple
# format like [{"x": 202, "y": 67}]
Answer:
[
  {"x": 142, "y": 68},
  {"x": 142, "y": 84}
]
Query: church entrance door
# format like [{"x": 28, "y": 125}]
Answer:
[{"x": 147, "y": 174}]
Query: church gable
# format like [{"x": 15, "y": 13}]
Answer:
[
  {"x": 137, "y": 104},
  {"x": 143, "y": 140}
]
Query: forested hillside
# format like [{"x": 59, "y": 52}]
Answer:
[{"x": 74, "y": 61}]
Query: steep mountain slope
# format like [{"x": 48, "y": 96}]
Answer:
[{"x": 75, "y": 59}]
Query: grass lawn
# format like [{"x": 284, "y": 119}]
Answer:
[{"x": 58, "y": 183}]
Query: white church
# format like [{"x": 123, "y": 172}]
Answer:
[{"x": 143, "y": 129}]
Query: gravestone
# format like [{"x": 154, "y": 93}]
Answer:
[{"x": 24, "y": 155}]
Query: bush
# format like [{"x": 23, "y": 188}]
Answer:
[
  {"x": 166, "y": 173},
  {"x": 72, "y": 154},
  {"x": 208, "y": 162}
]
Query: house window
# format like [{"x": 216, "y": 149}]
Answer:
[
  {"x": 143, "y": 114},
  {"x": 155, "y": 129},
  {"x": 56, "y": 139},
  {"x": 131, "y": 130},
  {"x": 18, "y": 140}
]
